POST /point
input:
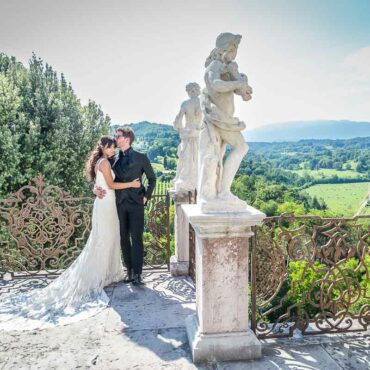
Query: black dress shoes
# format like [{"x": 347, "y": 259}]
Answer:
[
  {"x": 138, "y": 280},
  {"x": 129, "y": 277}
]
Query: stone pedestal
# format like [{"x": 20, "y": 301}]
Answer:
[
  {"x": 220, "y": 331},
  {"x": 179, "y": 263}
]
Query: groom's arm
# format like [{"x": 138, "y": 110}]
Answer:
[{"x": 150, "y": 175}]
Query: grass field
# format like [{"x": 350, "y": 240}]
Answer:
[
  {"x": 366, "y": 211},
  {"x": 328, "y": 172},
  {"x": 343, "y": 199}
]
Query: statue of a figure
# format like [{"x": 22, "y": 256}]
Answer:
[
  {"x": 220, "y": 127},
  {"x": 187, "y": 152}
]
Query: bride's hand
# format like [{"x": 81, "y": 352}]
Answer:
[
  {"x": 99, "y": 192},
  {"x": 136, "y": 183}
]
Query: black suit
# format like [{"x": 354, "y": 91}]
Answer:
[{"x": 128, "y": 166}]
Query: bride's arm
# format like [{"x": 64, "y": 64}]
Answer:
[{"x": 105, "y": 168}]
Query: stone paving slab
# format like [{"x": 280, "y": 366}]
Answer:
[
  {"x": 158, "y": 289},
  {"x": 143, "y": 328},
  {"x": 65, "y": 347},
  {"x": 146, "y": 349},
  {"x": 300, "y": 357},
  {"x": 351, "y": 354},
  {"x": 156, "y": 316}
]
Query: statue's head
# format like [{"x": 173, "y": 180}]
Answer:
[
  {"x": 193, "y": 89},
  {"x": 226, "y": 48}
]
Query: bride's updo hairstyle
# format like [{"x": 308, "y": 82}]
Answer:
[{"x": 96, "y": 154}]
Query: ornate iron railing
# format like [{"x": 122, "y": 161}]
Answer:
[
  {"x": 310, "y": 274},
  {"x": 157, "y": 232},
  {"x": 192, "y": 237},
  {"x": 43, "y": 229},
  {"x": 192, "y": 263}
]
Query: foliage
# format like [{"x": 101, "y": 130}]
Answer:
[
  {"x": 272, "y": 198},
  {"x": 301, "y": 290},
  {"x": 44, "y": 127},
  {"x": 303, "y": 279}
]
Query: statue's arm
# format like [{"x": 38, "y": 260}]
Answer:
[
  {"x": 223, "y": 86},
  {"x": 178, "y": 120}
]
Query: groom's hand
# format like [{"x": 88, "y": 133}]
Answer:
[
  {"x": 99, "y": 192},
  {"x": 145, "y": 200}
]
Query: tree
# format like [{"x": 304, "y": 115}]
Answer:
[
  {"x": 44, "y": 127},
  {"x": 171, "y": 163},
  {"x": 291, "y": 207},
  {"x": 10, "y": 154},
  {"x": 338, "y": 166},
  {"x": 315, "y": 203},
  {"x": 270, "y": 208},
  {"x": 361, "y": 165}
]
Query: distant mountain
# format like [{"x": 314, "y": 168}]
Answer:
[
  {"x": 277, "y": 132},
  {"x": 303, "y": 130}
]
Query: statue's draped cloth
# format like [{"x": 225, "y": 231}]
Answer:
[{"x": 211, "y": 143}]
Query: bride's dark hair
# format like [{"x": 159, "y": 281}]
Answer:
[{"x": 96, "y": 154}]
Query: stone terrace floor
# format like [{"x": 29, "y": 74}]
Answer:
[{"x": 144, "y": 329}]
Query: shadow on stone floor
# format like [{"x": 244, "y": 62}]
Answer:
[
  {"x": 144, "y": 329},
  {"x": 152, "y": 317}
]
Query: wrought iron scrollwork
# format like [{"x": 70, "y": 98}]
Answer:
[
  {"x": 192, "y": 260},
  {"x": 311, "y": 274},
  {"x": 192, "y": 237},
  {"x": 42, "y": 229},
  {"x": 157, "y": 232}
]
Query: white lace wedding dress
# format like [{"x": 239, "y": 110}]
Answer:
[{"x": 78, "y": 292}]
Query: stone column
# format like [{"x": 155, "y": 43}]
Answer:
[
  {"x": 179, "y": 263},
  {"x": 219, "y": 331}
]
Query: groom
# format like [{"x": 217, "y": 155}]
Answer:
[{"x": 129, "y": 165}]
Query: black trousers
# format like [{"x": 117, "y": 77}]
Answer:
[{"x": 131, "y": 223}]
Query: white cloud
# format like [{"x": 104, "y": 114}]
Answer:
[
  {"x": 358, "y": 64},
  {"x": 349, "y": 84}
]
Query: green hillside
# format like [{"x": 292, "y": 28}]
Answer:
[
  {"x": 282, "y": 176},
  {"x": 343, "y": 199}
]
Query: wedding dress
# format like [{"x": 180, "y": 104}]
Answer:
[{"x": 78, "y": 292}]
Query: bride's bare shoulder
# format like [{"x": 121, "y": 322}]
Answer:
[{"x": 102, "y": 165}]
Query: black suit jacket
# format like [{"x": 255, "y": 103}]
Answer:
[{"x": 138, "y": 164}]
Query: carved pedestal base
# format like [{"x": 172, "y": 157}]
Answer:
[
  {"x": 178, "y": 268},
  {"x": 221, "y": 346},
  {"x": 220, "y": 330}
]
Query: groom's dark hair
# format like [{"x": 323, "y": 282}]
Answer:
[{"x": 127, "y": 132}]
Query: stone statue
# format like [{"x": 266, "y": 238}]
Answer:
[
  {"x": 187, "y": 152},
  {"x": 220, "y": 128}
]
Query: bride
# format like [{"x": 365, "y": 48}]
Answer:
[{"x": 78, "y": 292}]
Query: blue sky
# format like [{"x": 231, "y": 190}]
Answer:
[{"x": 305, "y": 60}]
